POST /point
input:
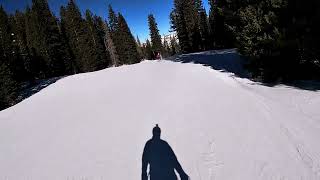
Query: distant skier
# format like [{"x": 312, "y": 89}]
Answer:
[
  {"x": 161, "y": 159},
  {"x": 158, "y": 57}
]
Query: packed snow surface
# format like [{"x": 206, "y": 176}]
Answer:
[{"x": 94, "y": 126}]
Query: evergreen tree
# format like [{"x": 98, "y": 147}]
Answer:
[
  {"x": 122, "y": 38},
  {"x": 8, "y": 85},
  {"x": 166, "y": 49},
  {"x": 116, "y": 36},
  {"x": 5, "y": 35},
  {"x": 128, "y": 53},
  {"x": 72, "y": 68},
  {"x": 148, "y": 50},
  {"x": 37, "y": 65},
  {"x": 19, "y": 29},
  {"x": 203, "y": 25},
  {"x": 50, "y": 44},
  {"x": 217, "y": 22},
  {"x": 139, "y": 48},
  {"x": 301, "y": 22},
  {"x": 16, "y": 61},
  {"x": 102, "y": 31},
  {"x": 185, "y": 20},
  {"x": 174, "y": 46},
  {"x": 259, "y": 36},
  {"x": 84, "y": 39},
  {"x": 178, "y": 24},
  {"x": 154, "y": 35},
  {"x": 223, "y": 19},
  {"x": 212, "y": 22},
  {"x": 100, "y": 58},
  {"x": 193, "y": 24},
  {"x": 109, "y": 44},
  {"x": 74, "y": 30},
  {"x": 113, "y": 20}
]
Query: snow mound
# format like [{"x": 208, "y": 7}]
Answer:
[{"x": 94, "y": 126}]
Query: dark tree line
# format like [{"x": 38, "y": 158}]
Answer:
[
  {"x": 280, "y": 38},
  {"x": 36, "y": 45}
]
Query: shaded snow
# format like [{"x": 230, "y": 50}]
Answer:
[
  {"x": 228, "y": 60},
  {"x": 93, "y": 126}
]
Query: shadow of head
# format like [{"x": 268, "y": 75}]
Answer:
[{"x": 156, "y": 132}]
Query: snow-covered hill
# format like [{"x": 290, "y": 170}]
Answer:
[{"x": 94, "y": 126}]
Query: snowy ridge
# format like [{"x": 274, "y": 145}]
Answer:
[{"x": 93, "y": 126}]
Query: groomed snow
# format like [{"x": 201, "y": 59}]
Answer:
[{"x": 94, "y": 126}]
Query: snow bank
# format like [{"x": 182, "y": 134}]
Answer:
[{"x": 93, "y": 126}]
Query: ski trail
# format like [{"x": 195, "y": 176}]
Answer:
[{"x": 95, "y": 125}]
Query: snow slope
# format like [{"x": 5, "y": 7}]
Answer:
[{"x": 93, "y": 126}]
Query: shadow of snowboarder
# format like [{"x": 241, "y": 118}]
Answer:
[{"x": 161, "y": 159}]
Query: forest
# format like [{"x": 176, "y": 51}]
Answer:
[{"x": 279, "y": 39}]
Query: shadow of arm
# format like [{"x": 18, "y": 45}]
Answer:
[
  {"x": 183, "y": 175},
  {"x": 145, "y": 162}
]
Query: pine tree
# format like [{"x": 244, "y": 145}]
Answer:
[
  {"x": 139, "y": 48},
  {"x": 216, "y": 19},
  {"x": 193, "y": 26},
  {"x": 222, "y": 20},
  {"x": 71, "y": 68},
  {"x": 50, "y": 43},
  {"x": 185, "y": 20},
  {"x": 154, "y": 35},
  {"x": 97, "y": 49},
  {"x": 16, "y": 61},
  {"x": 5, "y": 34},
  {"x": 19, "y": 29},
  {"x": 83, "y": 39},
  {"x": 122, "y": 38},
  {"x": 109, "y": 45},
  {"x": 259, "y": 36},
  {"x": 8, "y": 85},
  {"x": 128, "y": 53},
  {"x": 102, "y": 31},
  {"x": 116, "y": 36},
  {"x": 178, "y": 24},
  {"x": 72, "y": 25},
  {"x": 203, "y": 25},
  {"x": 37, "y": 66},
  {"x": 113, "y": 20},
  {"x": 302, "y": 36},
  {"x": 211, "y": 20},
  {"x": 166, "y": 48},
  {"x": 148, "y": 50},
  {"x": 174, "y": 46}
]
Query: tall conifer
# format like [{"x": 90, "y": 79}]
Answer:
[{"x": 155, "y": 35}]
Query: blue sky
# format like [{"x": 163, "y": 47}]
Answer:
[{"x": 135, "y": 11}]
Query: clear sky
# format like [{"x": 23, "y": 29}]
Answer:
[{"x": 135, "y": 11}]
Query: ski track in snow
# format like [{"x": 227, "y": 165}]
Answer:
[{"x": 93, "y": 126}]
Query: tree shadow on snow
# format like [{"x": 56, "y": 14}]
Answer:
[
  {"x": 227, "y": 60},
  {"x": 28, "y": 89}
]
